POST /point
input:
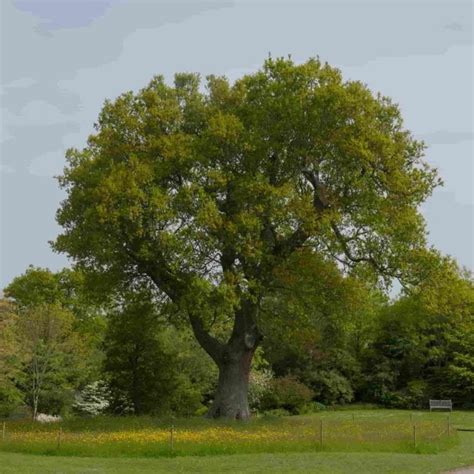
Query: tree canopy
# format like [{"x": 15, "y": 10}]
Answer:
[{"x": 205, "y": 192}]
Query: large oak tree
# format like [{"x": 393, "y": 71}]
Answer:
[{"x": 209, "y": 192}]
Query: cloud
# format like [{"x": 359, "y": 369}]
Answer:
[
  {"x": 59, "y": 65},
  {"x": 49, "y": 164},
  {"x": 455, "y": 165},
  {"x": 6, "y": 169},
  {"x": 63, "y": 52},
  {"x": 451, "y": 226},
  {"x": 28, "y": 142},
  {"x": 65, "y": 13},
  {"x": 454, "y": 26},
  {"x": 14, "y": 99},
  {"x": 444, "y": 137},
  {"x": 21, "y": 83},
  {"x": 36, "y": 112},
  {"x": 29, "y": 204},
  {"x": 45, "y": 61},
  {"x": 434, "y": 92},
  {"x": 38, "y": 48}
]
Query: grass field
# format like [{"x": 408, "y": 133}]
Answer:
[{"x": 353, "y": 441}]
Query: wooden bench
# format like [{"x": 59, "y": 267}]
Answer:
[{"x": 441, "y": 405}]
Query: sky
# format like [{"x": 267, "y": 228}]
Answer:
[{"x": 61, "y": 59}]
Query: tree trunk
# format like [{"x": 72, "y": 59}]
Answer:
[
  {"x": 35, "y": 408},
  {"x": 231, "y": 399},
  {"x": 233, "y": 359}
]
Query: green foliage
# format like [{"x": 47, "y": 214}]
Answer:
[
  {"x": 332, "y": 387},
  {"x": 311, "y": 407},
  {"x": 326, "y": 323},
  {"x": 273, "y": 207},
  {"x": 40, "y": 286},
  {"x": 277, "y": 412},
  {"x": 207, "y": 193},
  {"x": 57, "y": 329},
  {"x": 151, "y": 367},
  {"x": 65, "y": 289},
  {"x": 54, "y": 358},
  {"x": 287, "y": 393},
  {"x": 260, "y": 380},
  {"x": 35, "y": 287},
  {"x": 10, "y": 360},
  {"x": 424, "y": 348}
]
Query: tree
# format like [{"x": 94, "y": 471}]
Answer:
[
  {"x": 37, "y": 286},
  {"x": 65, "y": 290},
  {"x": 53, "y": 356},
  {"x": 10, "y": 360},
  {"x": 425, "y": 345},
  {"x": 326, "y": 321},
  {"x": 150, "y": 366},
  {"x": 207, "y": 194}
]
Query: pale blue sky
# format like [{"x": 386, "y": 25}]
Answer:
[{"x": 60, "y": 59}]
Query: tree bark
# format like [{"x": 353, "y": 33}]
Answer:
[
  {"x": 231, "y": 397},
  {"x": 233, "y": 359},
  {"x": 35, "y": 407}
]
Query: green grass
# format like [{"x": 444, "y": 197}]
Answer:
[{"x": 353, "y": 441}]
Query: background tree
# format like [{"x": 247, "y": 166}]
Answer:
[
  {"x": 53, "y": 357},
  {"x": 10, "y": 360},
  {"x": 151, "y": 366},
  {"x": 58, "y": 332},
  {"x": 326, "y": 322},
  {"x": 424, "y": 346},
  {"x": 207, "y": 194},
  {"x": 65, "y": 289},
  {"x": 35, "y": 287}
]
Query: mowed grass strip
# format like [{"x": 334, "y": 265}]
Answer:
[{"x": 342, "y": 431}]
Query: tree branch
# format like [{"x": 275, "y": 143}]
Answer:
[
  {"x": 175, "y": 288},
  {"x": 209, "y": 343}
]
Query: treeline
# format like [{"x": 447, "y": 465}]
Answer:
[{"x": 331, "y": 339}]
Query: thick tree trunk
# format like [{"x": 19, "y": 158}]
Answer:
[
  {"x": 231, "y": 399},
  {"x": 233, "y": 359}
]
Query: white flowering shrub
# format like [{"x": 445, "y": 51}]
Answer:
[
  {"x": 259, "y": 384},
  {"x": 44, "y": 418},
  {"x": 92, "y": 400}
]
